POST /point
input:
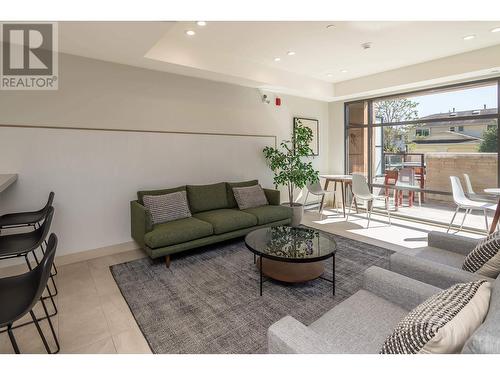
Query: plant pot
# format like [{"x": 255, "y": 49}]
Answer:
[{"x": 298, "y": 212}]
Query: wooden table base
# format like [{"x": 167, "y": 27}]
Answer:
[{"x": 291, "y": 272}]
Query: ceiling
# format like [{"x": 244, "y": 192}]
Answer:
[{"x": 245, "y": 52}]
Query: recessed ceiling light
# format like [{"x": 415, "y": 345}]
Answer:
[
  {"x": 495, "y": 30},
  {"x": 330, "y": 26},
  {"x": 366, "y": 45},
  {"x": 469, "y": 37},
  {"x": 290, "y": 53},
  {"x": 343, "y": 71},
  {"x": 329, "y": 75},
  {"x": 277, "y": 59},
  {"x": 201, "y": 23},
  {"x": 190, "y": 32}
]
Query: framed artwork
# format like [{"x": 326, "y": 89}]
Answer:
[{"x": 314, "y": 126}]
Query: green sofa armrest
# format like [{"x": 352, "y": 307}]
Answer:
[
  {"x": 273, "y": 196},
  {"x": 141, "y": 221}
]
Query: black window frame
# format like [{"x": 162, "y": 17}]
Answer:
[{"x": 372, "y": 125}]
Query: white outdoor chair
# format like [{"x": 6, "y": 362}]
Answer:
[
  {"x": 473, "y": 195},
  {"x": 467, "y": 204},
  {"x": 362, "y": 192},
  {"x": 316, "y": 189}
]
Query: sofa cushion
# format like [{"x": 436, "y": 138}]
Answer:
[
  {"x": 176, "y": 232},
  {"x": 441, "y": 256},
  {"x": 207, "y": 197},
  {"x": 142, "y": 193},
  {"x": 231, "y": 201},
  {"x": 227, "y": 220},
  {"x": 250, "y": 197},
  {"x": 360, "y": 324},
  {"x": 484, "y": 259},
  {"x": 270, "y": 214},
  {"x": 167, "y": 207},
  {"x": 486, "y": 339},
  {"x": 443, "y": 323}
]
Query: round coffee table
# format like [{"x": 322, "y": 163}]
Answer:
[{"x": 291, "y": 255}]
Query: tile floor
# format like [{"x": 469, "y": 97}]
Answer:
[{"x": 94, "y": 318}]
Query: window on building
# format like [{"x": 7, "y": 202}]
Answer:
[
  {"x": 452, "y": 128},
  {"x": 422, "y": 132},
  {"x": 460, "y": 128}
]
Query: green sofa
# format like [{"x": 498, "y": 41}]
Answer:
[{"x": 215, "y": 218}]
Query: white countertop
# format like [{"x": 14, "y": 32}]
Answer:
[{"x": 6, "y": 180}]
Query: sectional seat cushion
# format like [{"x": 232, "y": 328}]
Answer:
[
  {"x": 270, "y": 214},
  {"x": 207, "y": 197},
  {"x": 443, "y": 323},
  {"x": 250, "y": 197},
  {"x": 142, "y": 193},
  {"x": 227, "y": 220},
  {"x": 167, "y": 207},
  {"x": 484, "y": 259},
  {"x": 231, "y": 201},
  {"x": 441, "y": 256},
  {"x": 178, "y": 231},
  {"x": 360, "y": 324}
]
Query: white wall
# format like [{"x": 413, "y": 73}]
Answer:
[{"x": 95, "y": 173}]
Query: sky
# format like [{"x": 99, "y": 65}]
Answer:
[{"x": 473, "y": 98}]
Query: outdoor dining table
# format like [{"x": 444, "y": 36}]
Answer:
[
  {"x": 495, "y": 192},
  {"x": 345, "y": 181}
]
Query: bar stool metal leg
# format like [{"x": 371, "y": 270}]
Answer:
[{"x": 13, "y": 339}]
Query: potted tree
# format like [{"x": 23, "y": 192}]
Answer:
[{"x": 289, "y": 167}]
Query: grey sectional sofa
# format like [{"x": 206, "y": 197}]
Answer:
[
  {"x": 439, "y": 263},
  {"x": 361, "y": 323}
]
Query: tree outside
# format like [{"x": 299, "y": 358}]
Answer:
[
  {"x": 489, "y": 142},
  {"x": 396, "y": 138}
]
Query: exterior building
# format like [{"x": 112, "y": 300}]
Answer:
[{"x": 450, "y": 136}]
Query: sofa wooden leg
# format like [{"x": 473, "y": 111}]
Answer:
[{"x": 167, "y": 261}]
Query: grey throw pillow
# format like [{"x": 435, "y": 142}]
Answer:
[
  {"x": 484, "y": 259},
  {"x": 250, "y": 197},
  {"x": 167, "y": 207}
]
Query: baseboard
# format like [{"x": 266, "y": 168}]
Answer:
[
  {"x": 77, "y": 257},
  {"x": 96, "y": 253}
]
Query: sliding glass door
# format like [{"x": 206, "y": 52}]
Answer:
[{"x": 420, "y": 139}]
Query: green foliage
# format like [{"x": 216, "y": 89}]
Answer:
[
  {"x": 396, "y": 110},
  {"x": 490, "y": 140},
  {"x": 287, "y": 162}
]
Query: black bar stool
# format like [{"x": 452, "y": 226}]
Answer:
[
  {"x": 24, "y": 219},
  {"x": 28, "y": 219},
  {"x": 22, "y": 244},
  {"x": 20, "y": 293}
]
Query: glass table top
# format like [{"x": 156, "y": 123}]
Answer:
[{"x": 289, "y": 244}]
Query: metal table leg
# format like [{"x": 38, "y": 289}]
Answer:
[{"x": 260, "y": 267}]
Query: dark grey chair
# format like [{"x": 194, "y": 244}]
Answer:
[
  {"x": 24, "y": 219},
  {"x": 24, "y": 244},
  {"x": 20, "y": 293}
]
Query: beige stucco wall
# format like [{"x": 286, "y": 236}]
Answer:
[{"x": 481, "y": 167}]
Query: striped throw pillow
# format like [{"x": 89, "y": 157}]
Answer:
[
  {"x": 485, "y": 258},
  {"x": 167, "y": 207},
  {"x": 443, "y": 323},
  {"x": 250, "y": 197}
]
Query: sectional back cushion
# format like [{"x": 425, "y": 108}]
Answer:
[
  {"x": 207, "y": 197},
  {"x": 442, "y": 323},
  {"x": 250, "y": 197},
  {"x": 142, "y": 193},
  {"x": 484, "y": 259},
  {"x": 486, "y": 339},
  {"x": 167, "y": 207},
  {"x": 231, "y": 202}
]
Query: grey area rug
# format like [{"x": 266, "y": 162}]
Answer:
[{"x": 208, "y": 301}]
